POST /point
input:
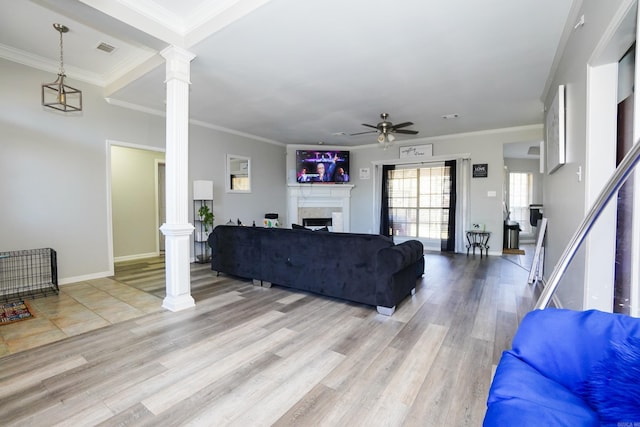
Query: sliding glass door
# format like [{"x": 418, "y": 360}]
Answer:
[{"x": 420, "y": 203}]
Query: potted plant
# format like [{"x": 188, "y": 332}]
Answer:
[{"x": 206, "y": 217}]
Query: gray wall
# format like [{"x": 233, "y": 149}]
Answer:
[
  {"x": 207, "y": 161},
  {"x": 564, "y": 194},
  {"x": 54, "y": 171},
  {"x": 483, "y": 147}
]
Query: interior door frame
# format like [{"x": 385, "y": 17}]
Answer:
[
  {"x": 159, "y": 234},
  {"x": 600, "y": 162},
  {"x": 108, "y": 144}
]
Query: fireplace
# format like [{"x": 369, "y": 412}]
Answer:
[
  {"x": 320, "y": 201},
  {"x": 316, "y": 222}
]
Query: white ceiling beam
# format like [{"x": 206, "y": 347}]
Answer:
[
  {"x": 213, "y": 16},
  {"x": 132, "y": 75},
  {"x": 149, "y": 20}
]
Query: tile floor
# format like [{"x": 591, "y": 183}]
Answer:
[{"x": 78, "y": 308}]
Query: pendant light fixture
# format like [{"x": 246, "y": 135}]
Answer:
[{"x": 58, "y": 95}]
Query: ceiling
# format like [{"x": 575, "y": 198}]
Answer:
[{"x": 303, "y": 72}]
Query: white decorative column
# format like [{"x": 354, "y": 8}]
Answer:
[{"x": 177, "y": 229}]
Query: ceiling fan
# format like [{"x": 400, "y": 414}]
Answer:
[{"x": 385, "y": 129}]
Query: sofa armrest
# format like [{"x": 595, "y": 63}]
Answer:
[
  {"x": 398, "y": 257},
  {"x": 397, "y": 270},
  {"x": 212, "y": 240}
]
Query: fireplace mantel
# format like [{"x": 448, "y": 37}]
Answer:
[{"x": 320, "y": 196}]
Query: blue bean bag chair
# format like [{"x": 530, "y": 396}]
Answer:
[{"x": 569, "y": 368}]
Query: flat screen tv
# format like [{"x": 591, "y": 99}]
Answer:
[{"x": 322, "y": 166}]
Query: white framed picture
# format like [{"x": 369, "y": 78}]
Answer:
[
  {"x": 416, "y": 151},
  {"x": 555, "y": 132}
]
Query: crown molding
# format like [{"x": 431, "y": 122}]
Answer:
[
  {"x": 44, "y": 64},
  {"x": 126, "y": 65},
  {"x": 155, "y": 112}
]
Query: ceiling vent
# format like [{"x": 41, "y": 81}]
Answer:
[
  {"x": 105, "y": 47},
  {"x": 534, "y": 151}
]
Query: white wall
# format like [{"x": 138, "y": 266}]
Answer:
[
  {"x": 484, "y": 147},
  {"x": 53, "y": 171}
]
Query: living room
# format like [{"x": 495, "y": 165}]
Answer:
[
  {"x": 61, "y": 164},
  {"x": 56, "y": 169}
]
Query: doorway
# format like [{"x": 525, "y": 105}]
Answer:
[
  {"x": 523, "y": 185},
  {"x": 134, "y": 200}
]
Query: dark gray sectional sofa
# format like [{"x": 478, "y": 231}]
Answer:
[{"x": 364, "y": 268}]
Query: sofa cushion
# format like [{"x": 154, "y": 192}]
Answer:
[
  {"x": 522, "y": 396},
  {"x": 613, "y": 387},
  {"x": 232, "y": 259},
  {"x": 340, "y": 265}
]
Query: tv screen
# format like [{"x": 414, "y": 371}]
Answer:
[{"x": 322, "y": 166}]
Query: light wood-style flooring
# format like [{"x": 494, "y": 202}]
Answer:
[{"x": 250, "y": 356}]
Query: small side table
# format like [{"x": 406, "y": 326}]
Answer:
[{"x": 478, "y": 239}]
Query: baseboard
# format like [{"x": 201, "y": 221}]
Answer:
[
  {"x": 135, "y": 257},
  {"x": 76, "y": 279}
]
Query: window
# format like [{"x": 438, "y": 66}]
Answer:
[
  {"x": 520, "y": 196},
  {"x": 419, "y": 202}
]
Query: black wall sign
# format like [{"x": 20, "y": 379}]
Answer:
[{"x": 480, "y": 170}]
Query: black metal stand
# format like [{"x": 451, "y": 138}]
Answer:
[
  {"x": 200, "y": 246},
  {"x": 478, "y": 239}
]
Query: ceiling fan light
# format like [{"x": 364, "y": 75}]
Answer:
[
  {"x": 381, "y": 138},
  {"x": 391, "y": 138}
]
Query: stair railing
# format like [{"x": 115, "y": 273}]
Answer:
[{"x": 622, "y": 172}]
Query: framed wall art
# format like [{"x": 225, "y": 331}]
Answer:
[
  {"x": 555, "y": 132},
  {"x": 416, "y": 151},
  {"x": 480, "y": 170}
]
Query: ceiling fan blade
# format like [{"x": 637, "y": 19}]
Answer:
[
  {"x": 370, "y": 126},
  {"x": 402, "y": 125},
  {"x": 360, "y": 133},
  {"x": 410, "y": 132}
]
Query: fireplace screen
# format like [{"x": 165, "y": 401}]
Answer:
[{"x": 317, "y": 222}]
